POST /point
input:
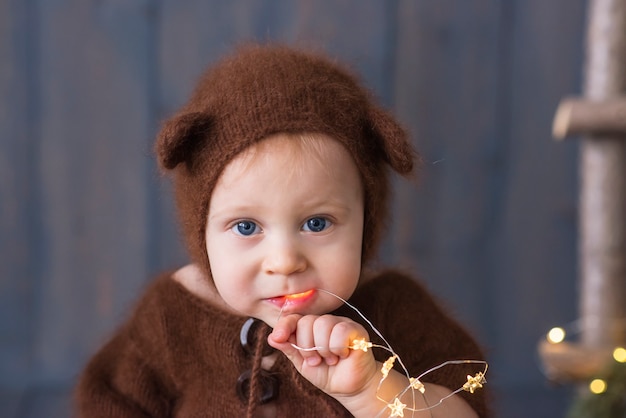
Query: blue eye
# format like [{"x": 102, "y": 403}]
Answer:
[
  {"x": 245, "y": 228},
  {"x": 316, "y": 224}
]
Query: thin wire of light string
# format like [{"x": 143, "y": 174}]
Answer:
[{"x": 479, "y": 378}]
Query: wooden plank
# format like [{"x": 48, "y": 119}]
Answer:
[
  {"x": 538, "y": 197},
  {"x": 18, "y": 202},
  {"x": 366, "y": 44},
  {"x": 478, "y": 84},
  {"x": 303, "y": 22},
  {"x": 96, "y": 72},
  {"x": 446, "y": 84}
]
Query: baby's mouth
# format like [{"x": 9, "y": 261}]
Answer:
[
  {"x": 301, "y": 295},
  {"x": 293, "y": 299}
]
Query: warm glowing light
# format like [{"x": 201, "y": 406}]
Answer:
[
  {"x": 556, "y": 335},
  {"x": 397, "y": 408},
  {"x": 474, "y": 382},
  {"x": 299, "y": 295},
  {"x": 387, "y": 366},
  {"x": 597, "y": 386},
  {"x": 417, "y": 385},
  {"x": 361, "y": 344},
  {"x": 619, "y": 354}
]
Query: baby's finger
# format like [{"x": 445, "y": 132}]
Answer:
[
  {"x": 342, "y": 336},
  {"x": 284, "y": 328},
  {"x": 283, "y": 336},
  {"x": 322, "y": 330},
  {"x": 305, "y": 340}
]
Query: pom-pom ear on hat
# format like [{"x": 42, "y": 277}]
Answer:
[
  {"x": 180, "y": 137},
  {"x": 393, "y": 139}
]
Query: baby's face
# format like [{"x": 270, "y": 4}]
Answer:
[{"x": 286, "y": 219}]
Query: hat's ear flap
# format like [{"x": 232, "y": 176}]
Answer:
[
  {"x": 393, "y": 140},
  {"x": 180, "y": 136}
]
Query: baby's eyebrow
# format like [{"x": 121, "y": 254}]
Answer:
[
  {"x": 229, "y": 211},
  {"x": 326, "y": 205}
]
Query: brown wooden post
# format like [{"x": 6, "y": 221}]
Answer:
[
  {"x": 603, "y": 184},
  {"x": 601, "y": 118}
]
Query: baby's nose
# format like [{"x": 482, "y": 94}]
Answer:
[{"x": 284, "y": 257}]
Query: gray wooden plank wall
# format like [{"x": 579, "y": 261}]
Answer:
[{"x": 85, "y": 220}]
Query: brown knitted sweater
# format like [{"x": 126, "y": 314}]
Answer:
[{"x": 180, "y": 356}]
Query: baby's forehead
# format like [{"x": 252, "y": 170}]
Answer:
[
  {"x": 294, "y": 157},
  {"x": 294, "y": 148},
  {"x": 287, "y": 167}
]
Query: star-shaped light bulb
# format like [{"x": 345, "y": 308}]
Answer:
[
  {"x": 361, "y": 344},
  {"x": 387, "y": 366},
  {"x": 397, "y": 408},
  {"x": 417, "y": 385},
  {"x": 475, "y": 382}
]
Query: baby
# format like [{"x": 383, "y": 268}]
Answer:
[{"x": 280, "y": 163}]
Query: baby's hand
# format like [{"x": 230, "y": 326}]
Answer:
[
  {"x": 352, "y": 375},
  {"x": 331, "y": 366}
]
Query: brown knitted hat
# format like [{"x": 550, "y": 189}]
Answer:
[{"x": 262, "y": 90}]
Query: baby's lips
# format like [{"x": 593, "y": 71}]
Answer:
[
  {"x": 302, "y": 295},
  {"x": 298, "y": 300},
  {"x": 293, "y": 299}
]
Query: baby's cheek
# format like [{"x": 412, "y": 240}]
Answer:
[{"x": 347, "y": 279}]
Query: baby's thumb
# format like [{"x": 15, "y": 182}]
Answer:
[{"x": 283, "y": 336}]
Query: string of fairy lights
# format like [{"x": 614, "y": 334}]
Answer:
[{"x": 395, "y": 406}]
